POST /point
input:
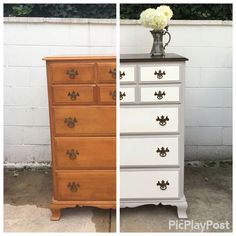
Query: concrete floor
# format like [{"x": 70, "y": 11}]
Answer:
[{"x": 27, "y": 196}]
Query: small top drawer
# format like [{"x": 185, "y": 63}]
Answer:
[
  {"x": 72, "y": 72},
  {"x": 159, "y": 94},
  {"x": 73, "y": 94},
  {"x": 106, "y": 72},
  {"x": 127, "y": 74},
  {"x": 107, "y": 94},
  {"x": 159, "y": 73}
]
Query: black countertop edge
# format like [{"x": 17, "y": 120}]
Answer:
[{"x": 147, "y": 58}]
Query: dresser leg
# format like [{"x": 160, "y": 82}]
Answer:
[
  {"x": 56, "y": 213},
  {"x": 181, "y": 209}
]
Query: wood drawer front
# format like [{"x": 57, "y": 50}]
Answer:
[
  {"x": 149, "y": 120},
  {"x": 72, "y": 72},
  {"x": 107, "y": 94},
  {"x": 85, "y": 153},
  {"x": 147, "y": 151},
  {"x": 106, "y": 72},
  {"x": 127, "y": 74},
  {"x": 72, "y": 94},
  {"x": 127, "y": 95},
  {"x": 86, "y": 185},
  {"x": 159, "y": 73},
  {"x": 159, "y": 94},
  {"x": 82, "y": 121},
  {"x": 144, "y": 184}
]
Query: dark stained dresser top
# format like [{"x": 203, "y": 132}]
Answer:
[{"x": 147, "y": 58}]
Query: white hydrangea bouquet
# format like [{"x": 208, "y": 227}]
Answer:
[{"x": 158, "y": 20}]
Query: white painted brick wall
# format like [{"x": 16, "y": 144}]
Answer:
[
  {"x": 208, "y": 106},
  {"x": 26, "y": 118},
  {"x": 208, "y": 79}
]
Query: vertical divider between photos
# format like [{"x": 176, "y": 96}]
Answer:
[{"x": 117, "y": 117}]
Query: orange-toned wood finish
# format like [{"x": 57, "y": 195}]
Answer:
[
  {"x": 73, "y": 94},
  {"x": 81, "y": 93},
  {"x": 84, "y": 121},
  {"x": 98, "y": 185},
  {"x": 85, "y": 153},
  {"x": 107, "y": 94}
]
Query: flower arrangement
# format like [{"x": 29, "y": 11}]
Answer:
[{"x": 157, "y": 19}]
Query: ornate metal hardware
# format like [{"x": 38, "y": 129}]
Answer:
[
  {"x": 113, "y": 94},
  {"x": 159, "y": 74},
  {"x": 73, "y": 186},
  {"x": 72, "y": 73},
  {"x": 73, "y": 95},
  {"x": 70, "y": 122},
  {"x": 122, "y": 95},
  {"x": 113, "y": 73},
  {"x": 162, "y": 120},
  {"x": 122, "y": 74},
  {"x": 159, "y": 94},
  {"x": 163, "y": 184},
  {"x": 72, "y": 154},
  {"x": 163, "y": 151}
]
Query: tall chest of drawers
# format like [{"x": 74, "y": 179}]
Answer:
[
  {"x": 82, "y": 109},
  {"x": 152, "y": 131}
]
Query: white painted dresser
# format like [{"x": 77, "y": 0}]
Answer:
[{"x": 152, "y": 131}]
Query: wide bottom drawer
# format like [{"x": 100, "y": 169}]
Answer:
[
  {"x": 149, "y": 151},
  {"x": 86, "y": 185},
  {"x": 162, "y": 119},
  {"x": 149, "y": 184},
  {"x": 84, "y": 121},
  {"x": 85, "y": 153}
]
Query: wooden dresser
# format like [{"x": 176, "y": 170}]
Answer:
[
  {"x": 82, "y": 107},
  {"x": 152, "y": 131}
]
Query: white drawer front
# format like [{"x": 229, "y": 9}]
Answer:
[
  {"x": 127, "y": 95},
  {"x": 160, "y": 94},
  {"x": 159, "y": 73},
  {"x": 146, "y": 151},
  {"x": 127, "y": 74},
  {"x": 144, "y": 184},
  {"x": 149, "y": 120}
]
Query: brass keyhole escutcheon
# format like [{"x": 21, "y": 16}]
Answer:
[
  {"x": 72, "y": 154},
  {"x": 163, "y": 184},
  {"x": 113, "y": 94},
  {"x": 162, "y": 151},
  {"x": 159, "y": 74},
  {"x": 122, "y": 74},
  {"x": 113, "y": 73},
  {"x": 73, "y": 95},
  {"x": 160, "y": 94},
  {"x": 70, "y": 122},
  {"x": 73, "y": 186},
  {"x": 122, "y": 95},
  {"x": 72, "y": 73},
  {"x": 162, "y": 120}
]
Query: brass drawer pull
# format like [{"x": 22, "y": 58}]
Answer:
[
  {"x": 162, "y": 120},
  {"x": 122, "y": 95},
  {"x": 72, "y": 73},
  {"x": 72, "y": 154},
  {"x": 73, "y": 186},
  {"x": 163, "y": 184},
  {"x": 73, "y": 95},
  {"x": 163, "y": 151},
  {"x": 160, "y": 94},
  {"x": 113, "y": 94},
  {"x": 70, "y": 122},
  {"x": 159, "y": 74},
  {"x": 113, "y": 73},
  {"x": 122, "y": 74}
]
